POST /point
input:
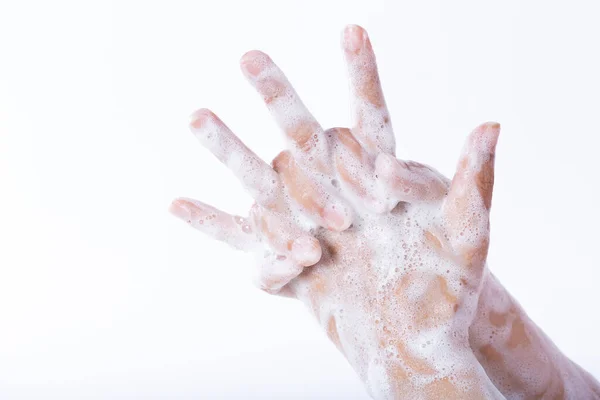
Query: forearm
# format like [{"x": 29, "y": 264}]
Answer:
[{"x": 518, "y": 357}]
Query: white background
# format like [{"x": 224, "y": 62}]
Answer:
[{"x": 104, "y": 295}]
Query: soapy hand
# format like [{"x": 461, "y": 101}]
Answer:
[{"x": 388, "y": 254}]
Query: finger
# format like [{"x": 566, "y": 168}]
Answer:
[
  {"x": 408, "y": 181},
  {"x": 233, "y": 230},
  {"x": 258, "y": 177},
  {"x": 275, "y": 272},
  {"x": 469, "y": 199},
  {"x": 355, "y": 169},
  {"x": 372, "y": 124},
  {"x": 306, "y": 251},
  {"x": 285, "y": 237},
  {"x": 301, "y": 128},
  {"x": 322, "y": 208}
]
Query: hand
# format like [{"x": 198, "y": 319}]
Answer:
[{"x": 400, "y": 257}]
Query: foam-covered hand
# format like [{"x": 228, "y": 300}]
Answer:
[{"x": 388, "y": 254}]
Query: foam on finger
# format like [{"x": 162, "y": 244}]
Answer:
[
  {"x": 306, "y": 251},
  {"x": 372, "y": 123},
  {"x": 258, "y": 177},
  {"x": 275, "y": 271},
  {"x": 292, "y": 116},
  {"x": 231, "y": 229},
  {"x": 310, "y": 195},
  {"x": 467, "y": 206},
  {"x": 408, "y": 181},
  {"x": 355, "y": 170}
]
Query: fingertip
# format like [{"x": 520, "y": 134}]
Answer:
[
  {"x": 306, "y": 251},
  {"x": 354, "y": 38},
  {"x": 281, "y": 161},
  {"x": 494, "y": 129},
  {"x": 200, "y": 117},
  {"x": 180, "y": 208},
  {"x": 488, "y": 128},
  {"x": 337, "y": 218},
  {"x": 486, "y": 135},
  {"x": 254, "y": 62},
  {"x": 493, "y": 125}
]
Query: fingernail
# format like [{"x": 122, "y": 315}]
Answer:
[
  {"x": 180, "y": 209},
  {"x": 198, "y": 118},
  {"x": 354, "y": 38},
  {"x": 494, "y": 136},
  {"x": 493, "y": 125},
  {"x": 490, "y": 132},
  {"x": 253, "y": 63}
]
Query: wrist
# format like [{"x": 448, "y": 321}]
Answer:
[
  {"x": 517, "y": 356},
  {"x": 424, "y": 366}
]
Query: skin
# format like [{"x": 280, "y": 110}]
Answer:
[{"x": 389, "y": 255}]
